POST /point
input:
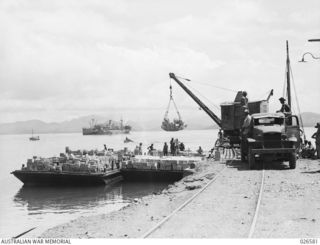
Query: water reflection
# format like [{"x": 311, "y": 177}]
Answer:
[{"x": 39, "y": 200}]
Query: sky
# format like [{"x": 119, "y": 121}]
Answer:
[{"x": 63, "y": 59}]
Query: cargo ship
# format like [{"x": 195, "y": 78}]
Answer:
[{"x": 108, "y": 128}]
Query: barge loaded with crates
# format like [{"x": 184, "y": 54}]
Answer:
[
  {"x": 77, "y": 168},
  {"x": 81, "y": 167},
  {"x": 156, "y": 168}
]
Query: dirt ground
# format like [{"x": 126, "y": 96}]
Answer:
[{"x": 289, "y": 206}]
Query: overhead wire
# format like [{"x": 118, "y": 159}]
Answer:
[
  {"x": 208, "y": 84},
  {"x": 208, "y": 100},
  {"x": 219, "y": 87}
]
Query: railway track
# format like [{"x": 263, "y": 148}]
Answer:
[
  {"x": 226, "y": 155},
  {"x": 158, "y": 225},
  {"x": 256, "y": 213}
]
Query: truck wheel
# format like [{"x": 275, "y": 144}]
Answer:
[
  {"x": 292, "y": 160},
  {"x": 251, "y": 160}
]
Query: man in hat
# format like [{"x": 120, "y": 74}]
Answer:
[
  {"x": 316, "y": 136},
  {"x": 285, "y": 108}
]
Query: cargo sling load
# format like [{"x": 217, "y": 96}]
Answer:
[{"x": 176, "y": 124}]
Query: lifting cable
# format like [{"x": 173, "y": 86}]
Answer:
[
  {"x": 208, "y": 100},
  {"x": 174, "y": 104},
  {"x": 208, "y": 84},
  {"x": 284, "y": 83},
  {"x": 298, "y": 106},
  {"x": 284, "y": 92},
  {"x": 219, "y": 87}
]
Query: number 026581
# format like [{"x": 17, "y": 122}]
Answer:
[{"x": 308, "y": 241}]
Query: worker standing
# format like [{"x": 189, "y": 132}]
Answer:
[
  {"x": 200, "y": 151},
  {"x": 176, "y": 147},
  {"x": 246, "y": 126},
  {"x": 244, "y": 99},
  {"x": 316, "y": 136},
  {"x": 165, "y": 149},
  {"x": 140, "y": 148},
  {"x": 172, "y": 147},
  {"x": 150, "y": 149}
]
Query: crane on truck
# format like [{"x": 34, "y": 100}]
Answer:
[
  {"x": 213, "y": 116},
  {"x": 272, "y": 136},
  {"x": 232, "y": 114}
]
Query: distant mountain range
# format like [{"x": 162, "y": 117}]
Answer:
[{"x": 76, "y": 125}]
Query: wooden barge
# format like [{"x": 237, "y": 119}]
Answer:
[
  {"x": 50, "y": 178},
  {"x": 104, "y": 170}
]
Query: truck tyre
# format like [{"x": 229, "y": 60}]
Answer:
[
  {"x": 251, "y": 160},
  {"x": 292, "y": 160}
]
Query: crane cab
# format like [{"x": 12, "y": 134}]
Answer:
[{"x": 232, "y": 116}]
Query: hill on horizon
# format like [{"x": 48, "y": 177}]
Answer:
[{"x": 75, "y": 125}]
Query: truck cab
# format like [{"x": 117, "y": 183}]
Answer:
[{"x": 272, "y": 136}]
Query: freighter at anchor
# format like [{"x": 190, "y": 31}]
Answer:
[{"x": 109, "y": 128}]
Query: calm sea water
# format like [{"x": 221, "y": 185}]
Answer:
[{"x": 23, "y": 208}]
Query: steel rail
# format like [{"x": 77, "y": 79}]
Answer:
[
  {"x": 157, "y": 226},
  {"x": 23, "y": 233},
  {"x": 255, "y": 217}
]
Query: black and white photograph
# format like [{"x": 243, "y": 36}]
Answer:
[{"x": 125, "y": 120}]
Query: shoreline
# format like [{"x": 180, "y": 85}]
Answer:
[{"x": 133, "y": 220}]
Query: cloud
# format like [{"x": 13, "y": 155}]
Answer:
[{"x": 89, "y": 55}]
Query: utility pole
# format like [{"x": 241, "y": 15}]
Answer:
[{"x": 288, "y": 76}]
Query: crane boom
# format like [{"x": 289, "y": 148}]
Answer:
[
  {"x": 213, "y": 116},
  {"x": 270, "y": 94}
]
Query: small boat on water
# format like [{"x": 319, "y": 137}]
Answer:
[
  {"x": 34, "y": 138},
  {"x": 127, "y": 140}
]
